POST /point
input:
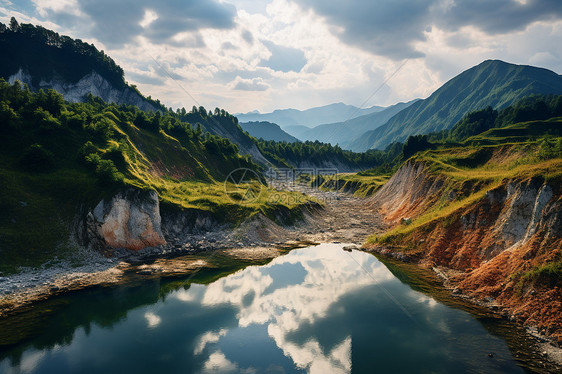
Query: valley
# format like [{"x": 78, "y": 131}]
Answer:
[{"x": 454, "y": 201}]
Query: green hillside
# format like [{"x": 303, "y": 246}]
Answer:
[
  {"x": 531, "y": 149},
  {"x": 58, "y": 159},
  {"x": 61, "y": 56},
  {"x": 492, "y": 83},
  {"x": 66, "y": 61}
]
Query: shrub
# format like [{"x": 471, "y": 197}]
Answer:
[
  {"x": 550, "y": 148},
  {"x": 44, "y": 120},
  {"x": 101, "y": 129},
  {"x": 106, "y": 170},
  {"x": 108, "y": 173},
  {"x": 37, "y": 158}
]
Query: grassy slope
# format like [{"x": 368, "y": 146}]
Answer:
[
  {"x": 509, "y": 153},
  {"x": 356, "y": 183},
  {"x": 38, "y": 208},
  {"x": 525, "y": 279}
]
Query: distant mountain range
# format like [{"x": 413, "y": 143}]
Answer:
[
  {"x": 344, "y": 133},
  {"x": 267, "y": 131},
  {"x": 492, "y": 83},
  {"x": 338, "y": 112}
]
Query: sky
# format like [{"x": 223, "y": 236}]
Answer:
[{"x": 245, "y": 55}]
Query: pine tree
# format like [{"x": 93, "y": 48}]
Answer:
[{"x": 14, "y": 25}]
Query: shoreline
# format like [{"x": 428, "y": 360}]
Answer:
[
  {"x": 20, "y": 292},
  {"x": 259, "y": 240},
  {"x": 547, "y": 348},
  {"x": 124, "y": 273}
]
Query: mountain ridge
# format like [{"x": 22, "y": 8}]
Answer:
[
  {"x": 311, "y": 117},
  {"x": 267, "y": 131},
  {"x": 491, "y": 83},
  {"x": 76, "y": 69},
  {"x": 346, "y": 133}
]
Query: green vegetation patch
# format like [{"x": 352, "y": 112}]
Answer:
[{"x": 58, "y": 159}]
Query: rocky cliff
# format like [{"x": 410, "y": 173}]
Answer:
[
  {"x": 131, "y": 220},
  {"x": 491, "y": 241},
  {"x": 91, "y": 83}
]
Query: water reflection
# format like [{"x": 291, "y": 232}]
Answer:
[{"x": 317, "y": 310}]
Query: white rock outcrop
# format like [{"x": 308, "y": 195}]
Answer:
[
  {"x": 92, "y": 83},
  {"x": 131, "y": 220}
]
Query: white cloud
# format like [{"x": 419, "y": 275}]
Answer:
[
  {"x": 149, "y": 17},
  {"x": 44, "y": 7},
  {"x": 207, "y": 338},
  {"x": 256, "y": 84},
  {"x": 218, "y": 60},
  {"x": 152, "y": 319},
  {"x": 218, "y": 363}
]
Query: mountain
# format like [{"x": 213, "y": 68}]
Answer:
[
  {"x": 76, "y": 69},
  {"x": 311, "y": 117},
  {"x": 69, "y": 66},
  {"x": 297, "y": 130},
  {"x": 492, "y": 83},
  {"x": 345, "y": 133},
  {"x": 267, "y": 131}
]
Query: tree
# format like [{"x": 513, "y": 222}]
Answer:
[
  {"x": 198, "y": 130},
  {"x": 414, "y": 144},
  {"x": 14, "y": 25}
]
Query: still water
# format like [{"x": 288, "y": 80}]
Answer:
[{"x": 317, "y": 309}]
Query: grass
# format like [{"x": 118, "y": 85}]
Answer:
[
  {"x": 361, "y": 185},
  {"x": 38, "y": 208},
  {"x": 549, "y": 274},
  {"x": 483, "y": 168}
]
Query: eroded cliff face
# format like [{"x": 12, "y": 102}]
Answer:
[
  {"x": 131, "y": 220},
  {"x": 408, "y": 192},
  {"x": 490, "y": 242},
  {"x": 92, "y": 83}
]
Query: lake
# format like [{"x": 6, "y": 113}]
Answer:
[{"x": 317, "y": 309}]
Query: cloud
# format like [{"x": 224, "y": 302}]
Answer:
[
  {"x": 497, "y": 16},
  {"x": 384, "y": 27},
  {"x": 152, "y": 319},
  {"x": 145, "y": 78},
  {"x": 316, "y": 52},
  {"x": 392, "y": 27},
  {"x": 228, "y": 45},
  {"x": 255, "y": 84},
  {"x": 116, "y": 23},
  {"x": 248, "y": 37},
  {"x": 283, "y": 58},
  {"x": 218, "y": 363}
]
